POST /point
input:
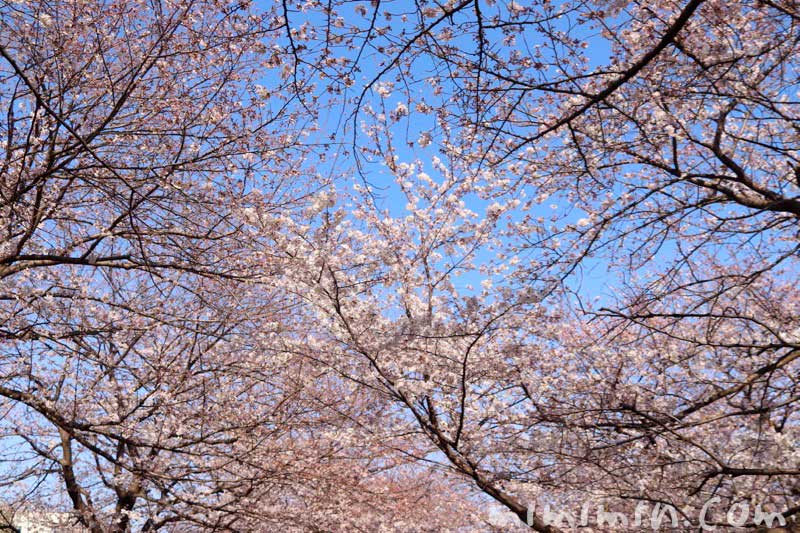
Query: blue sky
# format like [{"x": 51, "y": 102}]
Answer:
[{"x": 336, "y": 125}]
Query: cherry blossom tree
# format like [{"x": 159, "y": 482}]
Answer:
[
  {"x": 327, "y": 266},
  {"x": 148, "y": 378},
  {"x": 664, "y": 138},
  {"x": 125, "y": 128}
]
